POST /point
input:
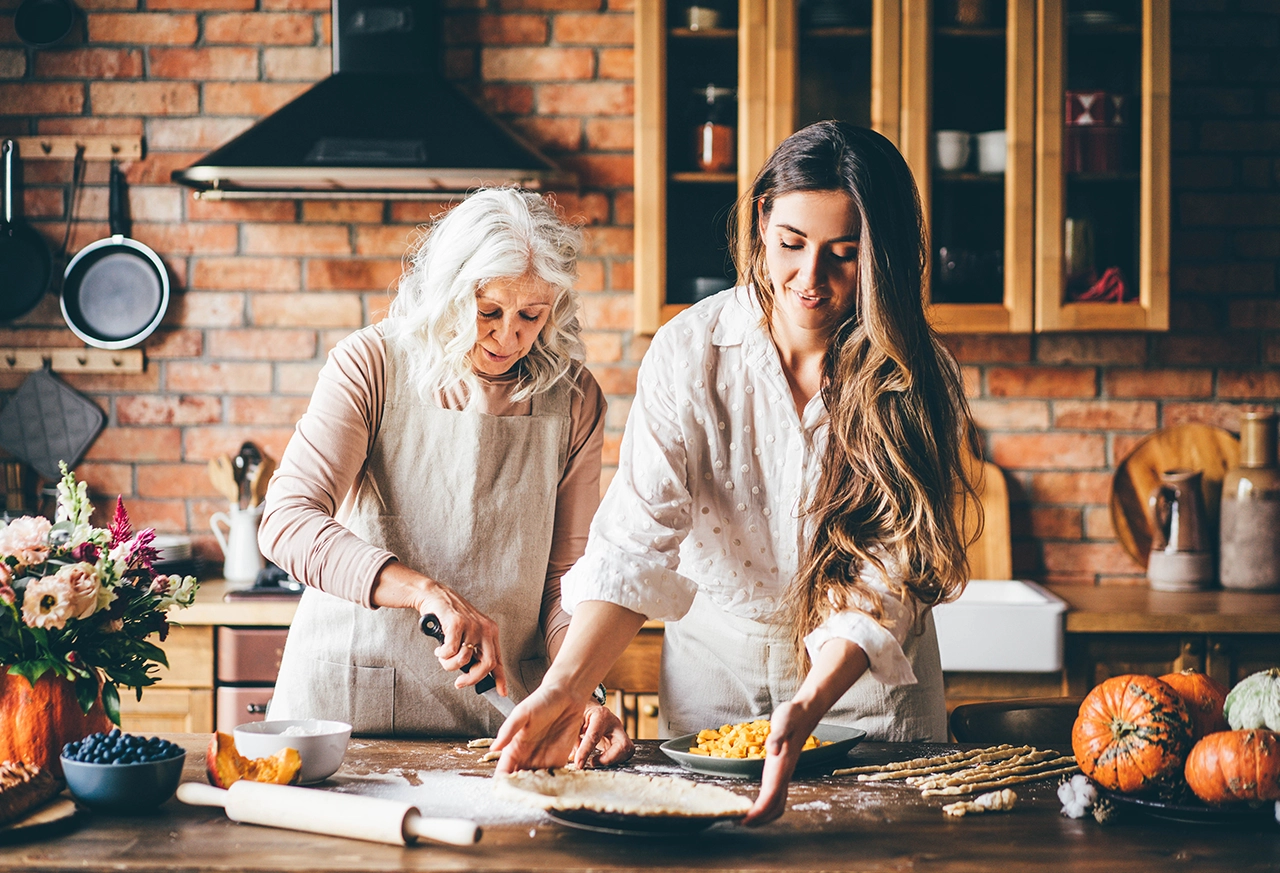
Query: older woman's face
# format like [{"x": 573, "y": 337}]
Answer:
[{"x": 510, "y": 313}]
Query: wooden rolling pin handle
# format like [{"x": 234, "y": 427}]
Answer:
[
  {"x": 199, "y": 794},
  {"x": 454, "y": 831}
]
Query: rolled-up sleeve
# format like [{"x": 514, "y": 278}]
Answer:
[
  {"x": 633, "y": 548},
  {"x": 299, "y": 531},
  {"x": 882, "y": 642}
]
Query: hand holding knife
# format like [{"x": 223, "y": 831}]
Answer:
[{"x": 486, "y": 687}]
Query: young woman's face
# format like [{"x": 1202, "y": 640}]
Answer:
[
  {"x": 510, "y": 313},
  {"x": 811, "y": 249}
]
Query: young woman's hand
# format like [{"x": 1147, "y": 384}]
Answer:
[
  {"x": 789, "y": 727},
  {"x": 604, "y": 740},
  {"x": 541, "y": 732}
]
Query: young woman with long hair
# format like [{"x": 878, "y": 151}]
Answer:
[{"x": 788, "y": 483}]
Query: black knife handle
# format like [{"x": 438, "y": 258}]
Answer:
[{"x": 431, "y": 627}]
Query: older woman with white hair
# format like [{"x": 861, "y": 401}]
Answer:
[{"x": 448, "y": 464}]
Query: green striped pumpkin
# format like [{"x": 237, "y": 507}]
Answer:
[{"x": 1131, "y": 731}]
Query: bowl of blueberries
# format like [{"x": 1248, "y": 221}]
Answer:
[{"x": 122, "y": 773}]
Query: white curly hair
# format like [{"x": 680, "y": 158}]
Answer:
[{"x": 495, "y": 233}]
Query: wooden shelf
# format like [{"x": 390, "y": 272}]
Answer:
[
  {"x": 972, "y": 32},
  {"x": 63, "y": 148},
  {"x": 73, "y": 360},
  {"x": 968, "y": 178},
  {"x": 698, "y": 178},
  {"x": 1090, "y": 178},
  {"x": 704, "y": 33},
  {"x": 836, "y": 32}
]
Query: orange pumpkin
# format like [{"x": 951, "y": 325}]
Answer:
[
  {"x": 1235, "y": 765},
  {"x": 35, "y": 723},
  {"x": 225, "y": 766},
  {"x": 1131, "y": 731},
  {"x": 1204, "y": 697}
]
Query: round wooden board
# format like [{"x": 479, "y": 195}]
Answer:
[
  {"x": 1185, "y": 446},
  {"x": 52, "y": 818}
]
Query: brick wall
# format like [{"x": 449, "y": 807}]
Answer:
[{"x": 264, "y": 289}]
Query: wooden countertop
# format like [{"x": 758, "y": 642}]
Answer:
[
  {"x": 211, "y": 608},
  {"x": 1142, "y": 610},
  {"x": 831, "y": 824}
]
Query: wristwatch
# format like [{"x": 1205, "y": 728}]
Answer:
[{"x": 600, "y": 695}]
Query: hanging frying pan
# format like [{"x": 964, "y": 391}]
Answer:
[
  {"x": 25, "y": 261},
  {"x": 115, "y": 291}
]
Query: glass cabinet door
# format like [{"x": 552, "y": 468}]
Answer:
[
  {"x": 968, "y": 127},
  {"x": 1103, "y": 165}
]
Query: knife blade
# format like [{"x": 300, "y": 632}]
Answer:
[{"x": 486, "y": 687}]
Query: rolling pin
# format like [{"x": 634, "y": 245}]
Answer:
[{"x": 330, "y": 813}]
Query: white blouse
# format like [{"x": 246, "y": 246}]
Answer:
[{"x": 715, "y": 464}]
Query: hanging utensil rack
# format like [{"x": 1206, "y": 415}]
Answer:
[
  {"x": 73, "y": 360},
  {"x": 63, "y": 148}
]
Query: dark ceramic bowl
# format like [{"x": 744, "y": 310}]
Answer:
[{"x": 123, "y": 789}]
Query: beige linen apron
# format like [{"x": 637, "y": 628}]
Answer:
[
  {"x": 468, "y": 499},
  {"x": 721, "y": 669}
]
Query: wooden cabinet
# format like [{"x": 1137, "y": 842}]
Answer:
[
  {"x": 788, "y": 66},
  {"x": 1077, "y": 211},
  {"x": 633, "y": 683},
  {"x": 182, "y": 701},
  {"x": 1094, "y": 658}
]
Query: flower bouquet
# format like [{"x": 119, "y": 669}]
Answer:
[{"x": 80, "y": 601}]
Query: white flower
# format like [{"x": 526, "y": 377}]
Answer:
[
  {"x": 48, "y": 603},
  {"x": 26, "y": 539},
  {"x": 84, "y": 586}
]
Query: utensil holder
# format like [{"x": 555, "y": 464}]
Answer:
[{"x": 242, "y": 558}]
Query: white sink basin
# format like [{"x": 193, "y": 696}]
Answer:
[{"x": 1001, "y": 626}]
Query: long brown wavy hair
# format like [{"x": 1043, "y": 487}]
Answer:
[{"x": 893, "y": 485}]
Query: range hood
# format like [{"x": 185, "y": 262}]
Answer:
[{"x": 387, "y": 125}]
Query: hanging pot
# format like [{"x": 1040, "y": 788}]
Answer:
[
  {"x": 25, "y": 261},
  {"x": 42, "y": 23},
  {"x": 115, "y": 291}
]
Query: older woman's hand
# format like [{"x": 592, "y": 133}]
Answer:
[{"x": 470, "y": 637}]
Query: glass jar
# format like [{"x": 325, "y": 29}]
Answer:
[
  {"x": 715, "y": 145},
  {"x": 1249, "y": 523}
]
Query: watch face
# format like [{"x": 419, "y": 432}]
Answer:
[{"x": 600, "y": 695}]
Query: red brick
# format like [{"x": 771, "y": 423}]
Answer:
[
  {"x": 169, "y": 409},
  {"x": 622, "y": 276},
  {"x": 155, "y": 28},
  {"x": 989, "y": 348},
  {"x": 1122, "y": 444},
  {"x": 610, "y": 450},
  {"x": 608, "y": 241},
  {"x": 326, "y": 29},
  {"x": 551, "y": 134},
  {"x": 1097, "y": 523},
  {"x": 299, "y": 379},
  {"x": 144, "y": 98},
  {"x": 309, "y": 309},
  {"x": 175, "y": 480},
  {"x": 603, "y": 346},
  {"x": 610, "y": 134},
  {"x": 1248, "y": 385},
  {"x": 594, "y": 30},
  {"x": 584, "y": 208},
  {"x": 1225, "y": 279},
  {"x": 253, "y": 98},
  {"x": 203, "y": 443},
  {"x": 248, "y": 274},
  {"x": 602, "y": 171},
  {"x": 1070, "y": 487},
  {"x": 137, "y": 444},
  {"x": 266, "y": 345},
  {"x": 38, "y": 98},
  {"x": 607, "y": 312},
  {"x": 343, "y": 274},
  {"x": 1048, "y": 451},
  {"x": 1052, "y": 522},
  {"x": 99, "y": 5},
  {"x": 163, "y": 515},
  {"x": 216, "y": 5},
  {"x": 256, "y": 28},
  {"x": 43, "y": 203},
  {"x": 1205, "y": 350},
  {"x": 389, "y": 239},
  {"x": 1085, "y": 557},
  {"x": 241, "y": 210},
  {"x": 1010, "y": 414},
  {"x": 193, "y": 133},
  {"x": 417, "y": 211},
  {"x": 275, "y": 410},
  {"x": 1224, "y": 415},
  {"x": 549, "y": 5},
  {"x": 207, "y": 309},
  {"x": 108, "y": 480},
  {"x": 187, "y": 238},
  {"x": 308, "y": 64},
  {"x": 89, "y": 64},
  {"x": 616, "y": 417},
  {"x": 1158, "y": 384},
  {"x": 310, "y": 239},
  {"x": 542, "y": 64},
  {"x": 157, "y": 168},
  {"x": 616, "y": 63},
  {"x": 1137, "y": 580},
  {"x": 168, "y": 343},
  {"x": 508, "y": 99},
  {"x": 156, "y": 204},
  {"x": 342, "y": 211},
  {"x": 217, "y": 377},
  {"x": 205, "y": 64},
  {"x": 147, "y": 380},
  {"x": 295, "y": 5},
  {"x": 592, "y": 98},
  {"x": 616, "y": 380},
  {"x": 1041, "y": 382},
  {"x": 1077, "y": 348},
  {"x": 590, "y": 275},
  {"x": 496, "y": 29},
  {"x": 1105, "y": 414},
  {"x": 85, "y": 125}
]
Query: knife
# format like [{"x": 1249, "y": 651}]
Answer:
[{"x": 486, "y": 687}]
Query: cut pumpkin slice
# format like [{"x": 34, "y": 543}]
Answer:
[{"x": 226, "y": 766}]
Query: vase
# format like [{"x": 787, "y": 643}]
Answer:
[
  {"x": 35, "y": 723},
  {"x": 1249, "y": 556}
]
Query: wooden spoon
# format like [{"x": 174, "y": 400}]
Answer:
[{"x": 222, "y": 474}]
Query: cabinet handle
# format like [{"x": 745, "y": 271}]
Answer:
[
  {"x": 256, "y": 708},
  {"x": 650, "y": 710}
]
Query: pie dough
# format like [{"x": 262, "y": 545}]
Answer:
[{"x": 620, "y": 793}]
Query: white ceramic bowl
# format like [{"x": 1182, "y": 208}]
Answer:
[{"x": 321, "y": 744}]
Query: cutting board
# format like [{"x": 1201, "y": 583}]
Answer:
[{"x": 991, "y": 555}]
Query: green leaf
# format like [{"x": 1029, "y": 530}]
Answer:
[
  {"x": 111, "y": 701},
  {"x": 86, "y": 692}
]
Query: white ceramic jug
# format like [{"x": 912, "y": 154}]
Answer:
[{"x": 239, "y": 543}]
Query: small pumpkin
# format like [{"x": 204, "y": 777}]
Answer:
[
  {"x": 1232, "y": 766},
  {"x": 37, "y": 721},
  {"x": 225, "y": 766},
  {"x": 1255, "y": 702},
  {"x": 1204, "y": 697},
  {"x": 1131, "y": 731}
]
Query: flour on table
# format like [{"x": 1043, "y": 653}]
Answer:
[
  {"x": 443, "y": 795},
  {"x": 813, "y": 804}
]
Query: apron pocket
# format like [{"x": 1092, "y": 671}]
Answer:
[{"x": 364, "y": 697}]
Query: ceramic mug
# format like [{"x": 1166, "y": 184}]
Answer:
[
  {"x": 951, "y": 150},
  {"x": 991, "y": 151},
  {"x": 242, "y": 559}
]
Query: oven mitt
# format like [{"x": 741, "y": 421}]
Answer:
[{"x": 47, "y": 421}]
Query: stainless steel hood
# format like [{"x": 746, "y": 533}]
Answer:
[{"x": 385, "y": 125}]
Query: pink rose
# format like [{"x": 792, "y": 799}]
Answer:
[
  {"x": 6, "y": 575},
  {"x": 7, "y": 595},
  {"x": 26, "y": 539},
  {"x": 47, "y": 603},
  {"x": 83, "y": 583}
]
